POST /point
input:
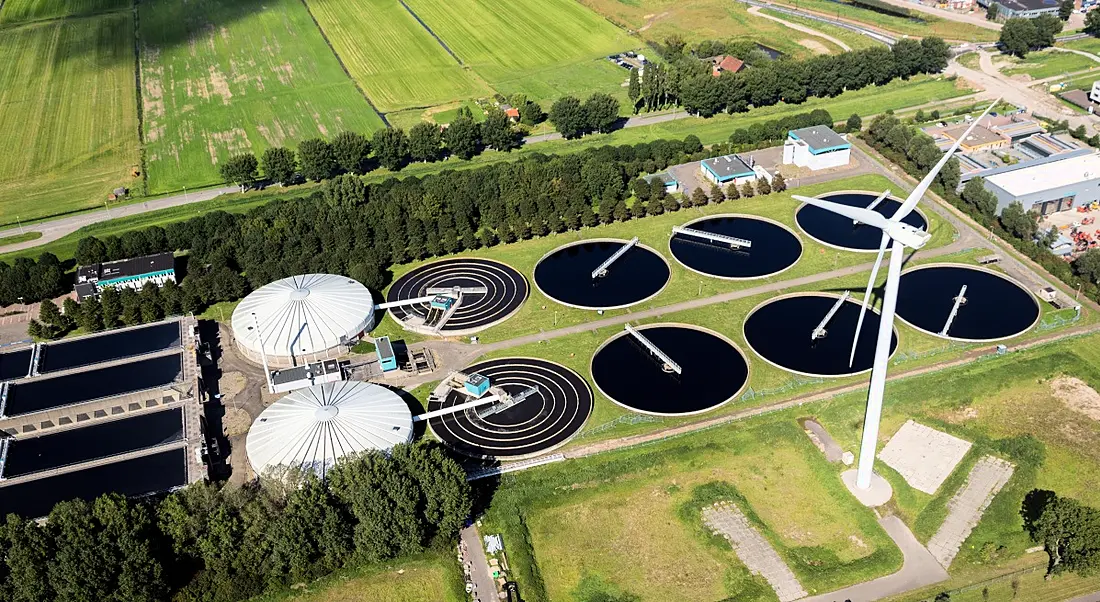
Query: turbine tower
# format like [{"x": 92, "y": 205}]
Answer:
[{"x": 902, "y": 236}]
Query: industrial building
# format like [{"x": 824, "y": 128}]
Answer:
[
  {"x": 125, "y": 273},
  {"x": 116, "y": 412},
  {"x": 666, "y": 179},
  {"x": 302, "y": 319},
  {"x": 311, "y": 429},
  {"x": 1049, "y": 187},
  {"x": 816, "y": 147},
  {"x": 1026, "y": 9},
  {"x": 729, "y": 169}
]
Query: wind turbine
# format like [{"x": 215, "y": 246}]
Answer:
[{"x": 903, "y": 236}]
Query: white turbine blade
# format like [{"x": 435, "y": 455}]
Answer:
[
  {"x": 867, "y": 295},
  {"x": 871, "y": 218},
  {"x": 875, "y": 202},
  {"x": 918, "y": 192}
]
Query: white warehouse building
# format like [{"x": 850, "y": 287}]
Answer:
[
  {"x": 1049, "y": 187},
  {"x": 816, "y": 147},
  {"x": 302, "y": 319}
]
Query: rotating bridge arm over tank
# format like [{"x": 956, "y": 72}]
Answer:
[
  {"x": 666, "y": 361},
  {"x": 959, "y": 302},
  {"x": 820, "y": 331},
  {"x": 732, "y": 241},
  {"x": 603, "y": 267},
  {"x": 497, "y": 396}
]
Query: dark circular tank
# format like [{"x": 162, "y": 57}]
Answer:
[
  {"x": 565, "y": 274},
  {"x": 839, "y": 231},
  {"x": 773, "y": 248}
]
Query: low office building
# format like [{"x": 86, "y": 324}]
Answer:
[
  {"x": 1049, "y": 187},
  {"x": 125, "y": 273},
  {"x": 1026, "y": 9},
  {"x": 816, "y": 147},
  {"x": 728, "y": 169},
  {"x": 980, "y": 138}
]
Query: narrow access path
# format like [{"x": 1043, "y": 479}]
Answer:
[
  {"x": 1093, "y": 597},
  {"x": 967, "y": 506},
  {"x": 879, "y": 35},
  {"x": 55, "y": 229},
  {"x": 795, "y": 26},
  {"x": 753, "y": 549},
  {"x": 485, "y": 589},
  {"x": 919, "y": 569}
]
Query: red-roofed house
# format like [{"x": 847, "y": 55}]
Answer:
[{"x": 724, "y": 63}]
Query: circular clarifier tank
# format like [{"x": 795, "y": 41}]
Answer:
[
  {"x": 781, "y": 331},
  {"x": 569, "y": 275},
  {"x": 771, "y": 249},
  {"x": 992, "y": 308},
  {"x": 500, "y": 292},
  {"x": 712, "y": 370},
  {"x": 841, "y": 232}
]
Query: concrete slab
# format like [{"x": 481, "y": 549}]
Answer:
[
  {"x": 877, "y": 494},
  {"x": 727, "y": 520},
  {"x": 924, "y": 456},
  {"x": 965, "y": 509}
]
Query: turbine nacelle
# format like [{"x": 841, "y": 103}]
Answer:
[{"x": 914, "y": 238}]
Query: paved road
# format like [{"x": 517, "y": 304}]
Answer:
[
  {"x": 795, "y": 26},
  {"x": 631, "y": 122},
  {"x": 919, "y": 569},
  {"x": 484, "y": 587},
  {"x": 55, "y": 229},
  {"x": 1093, "y": 597}
]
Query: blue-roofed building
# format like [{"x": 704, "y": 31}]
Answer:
[
  {"x": 816, "y": 147},
  {"x": 666, "y": 179},
  {"x": 728, "y": 169}
]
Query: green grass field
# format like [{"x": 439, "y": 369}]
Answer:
[
  {"x": 18, "y": 238},
  {"x": 429, "y": 577},
  {"x": 1048, "y": 63},
  {"x": 220, "y": 78},
  {"x": 394, "y": 58},
  {"x": 854, "y": 40},
  {"x": 68, "y": 113},
  {"x": 22, "y": 11},
  {"x": 543, "y": 48}
]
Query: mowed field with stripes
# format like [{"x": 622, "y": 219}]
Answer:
[
  {"x": 68, "y": 113},
  {"x": 220, "y": 78}
]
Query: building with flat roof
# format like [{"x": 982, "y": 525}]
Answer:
[
  {"x": 1026, "y": 9},
  {"x": 1049, "y": 187},
  {"x": 728, "y": 169},
  {"x": 816, "y": 147},
  {"x": 668, "y": 180},
  {"x": 125, "y": 273},
  {"x": 981, "y": 138}
]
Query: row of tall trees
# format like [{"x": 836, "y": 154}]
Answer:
[
  {"x": 573, "y": 119},
  {"x": 685, "y": 80},
  {"x": 117, "y": 307},
  {"x": 223, "y": 545},
  {"x": 912, "y": 148},
  {"x": 28, "y": 281}
]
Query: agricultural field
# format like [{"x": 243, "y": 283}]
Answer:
[
  {"x": 542, "y": 48},
  {"x": 23, "y": 11},
  {"x": 655, "y": 20},
  {"x": 69, "y": 104},
  {"x": 399, "y": 64},
  {"x": 220, "y": 78}
]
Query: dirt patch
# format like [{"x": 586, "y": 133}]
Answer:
[
  {"x": 650, "y": 19},
  {"x": 232, "y": 383},
  {"x": 857, "y": 542},
  {"x": 1077, "y": 395},
  {"x": 814, "y": 46},
  {"x": 220, "y": 85},
  {"x": 235, "y": 422},
  {"x": 284, "y": 72},
  {"x": 234, "y": 141}
]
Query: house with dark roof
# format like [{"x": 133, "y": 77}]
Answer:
[
  {"x": 1027, "y": 9},
  {"x": 816, "y": 147},
  {"x": 666, "y": 179}
]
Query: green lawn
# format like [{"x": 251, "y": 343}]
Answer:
[
  {"x": 1048, "y": 63},
  {"x": 543, "y": 48},
  {"x": 392, "y": 56},
  {"x": 220, "y": 78},
  {"x": 1086, "y": 44},
  {"x": 18, "y": 238},
  {"x": 430, "y": 577},
  {"x": 921, "y": 24},
  {"x": 854, "y": 40},
  {"x": 68, "y": 113},
  {"x": 21, "y": 11}
]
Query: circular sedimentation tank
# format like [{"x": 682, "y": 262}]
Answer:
[
  {"x": 713, "y": 370},
  {"x": 774, "y": 247},
  {"x": 994, "y": 307},
  {"x": 506, "y": 290},
  {"x": 841, "y": 232},
  {"x": 780, "y": 331},
  {"x": 565, "y": 274},
  {"x": 547, "y": 419}
]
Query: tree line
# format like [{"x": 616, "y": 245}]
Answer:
[
  {"x": 28, "y": 281},
  {"x": 685, "y": 80},
  {"x": 210, "y": 544},
  {"x": 1021, "y": 35},
  {"x": 1015, "y": 225}
]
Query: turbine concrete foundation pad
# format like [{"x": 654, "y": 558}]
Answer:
[
  {"x": 877, "y": 494},
  {"x": 924, "y": 456}
]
